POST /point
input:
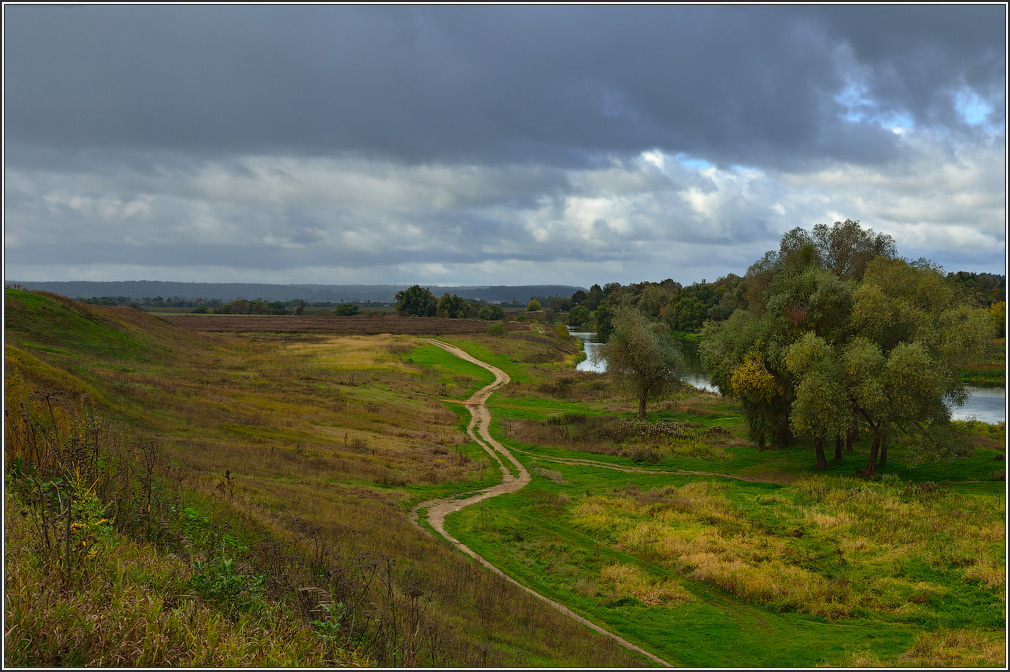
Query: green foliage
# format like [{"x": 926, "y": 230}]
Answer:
[
  {"x": 497, "y": 329},
  {"x": 643, "y": 353},
  {"x": 218, "y": 581},
  {"x": 689, "y": 314},
  {"x": 453, "y": 306},
  {"x": 347, "y": 309},
  {"x": 491, "y": 312},
  {"x": 416, "y": 301},
  {"x": 533, "y": 305},
  {"x": 847, "y": 334},
  {"x": 578, "y": 315},
  {"x": 998, "y": 313},
  {"x": 604, "y": 322}
]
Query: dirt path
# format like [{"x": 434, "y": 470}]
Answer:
[{"x": 438, "y": 509}]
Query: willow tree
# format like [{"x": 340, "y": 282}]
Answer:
[
  {"x": 643, "y": 355},
  {"x": 836, "y": 338}
]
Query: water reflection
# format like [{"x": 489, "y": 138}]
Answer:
[
  {"x": 987, "y": 404},
  {"x": 590, "y": 343}
]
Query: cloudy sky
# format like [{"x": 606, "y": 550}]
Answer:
[{"x": 491, "y": 144}]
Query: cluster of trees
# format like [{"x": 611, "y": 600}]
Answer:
[
  {"x": 839, "y": 335},
  {"x": 257, "y": 307},
  {"x": 680, "y": 308},
  {"x": 989, "y": 290},
  {"x": 420, "y": 302}
]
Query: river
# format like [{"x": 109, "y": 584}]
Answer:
[{"x": 987, "y": 404}]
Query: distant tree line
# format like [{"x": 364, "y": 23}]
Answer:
[
  {"x": 234, "y": 307},
  {"x": 679, "y": 308},
  {"x": 310, "y": 293}
]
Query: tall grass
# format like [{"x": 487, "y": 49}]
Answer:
[{"x": 278, "y": 473}]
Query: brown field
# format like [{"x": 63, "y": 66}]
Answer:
[{"x": 333, "y": 324}]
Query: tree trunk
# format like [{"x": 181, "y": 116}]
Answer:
[
  {"x": 838, "y": 448},
  {"x": 883, "y": 453},
  {"x": 641, "y": 407},
  {"x": 822, "y": 462},
  {"x": 849, "y": 439},
  {"x": 871, "y": 463}
]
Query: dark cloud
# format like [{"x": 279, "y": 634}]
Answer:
[
  {"x": 556, "y": 85},
  {"x": 492, "y": 144}
]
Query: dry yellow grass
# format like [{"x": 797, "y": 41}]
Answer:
[
  {"x": 698, "y": 531},
  {"x": 623, "y": 580}
]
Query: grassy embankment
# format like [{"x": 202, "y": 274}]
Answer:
[
  {"x": 991, "y": 372},
  {"x": 790, "y": 567},
  {"x": 242, "y": 500}
]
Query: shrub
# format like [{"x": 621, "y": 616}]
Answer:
[
  {"x": 497, "y": 329},
  {"x": 491, "y": 312}
]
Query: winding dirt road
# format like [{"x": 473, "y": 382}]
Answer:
[{"x": 438, "y": 509}]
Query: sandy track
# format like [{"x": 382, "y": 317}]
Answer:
[{"x": 438, "y": 509}]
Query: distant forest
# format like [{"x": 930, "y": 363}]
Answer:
[{"x": 311, "y": 294}]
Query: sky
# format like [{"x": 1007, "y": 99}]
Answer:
[{"x": 490, "y": 145}]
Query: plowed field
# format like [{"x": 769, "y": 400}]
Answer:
[{"x": 332, "y": 324}]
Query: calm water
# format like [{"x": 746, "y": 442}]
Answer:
[{"x": 987, "y": 404}]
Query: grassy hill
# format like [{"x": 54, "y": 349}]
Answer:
[
  {"x": 175, "y": 498},
  {"x": 183, "y": 499}
]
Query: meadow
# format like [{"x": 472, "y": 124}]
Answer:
[
  {"x": 259, "y": 474},
  {"x": 243, "y": 498}
]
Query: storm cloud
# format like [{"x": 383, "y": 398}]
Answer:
[{"x": 492, "y": 144}]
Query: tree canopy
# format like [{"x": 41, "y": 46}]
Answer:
[
  {"x": 453, "y": 306},
  {"x": 491, "y": 312},
  {"x": 643, "y": 354},
  {"x": 838, "y": 334},
  {"x": 417, "y": 301}
]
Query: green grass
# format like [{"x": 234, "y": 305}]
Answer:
[
  {"x": 534, "y": 537},
  {"x": 314, "y": 447},
  {"x": 922, "y": 578},
  {"x": 327, "y": 445},
  {"x": 459, "y": 378},
  {"x": 48, "y": 322}
]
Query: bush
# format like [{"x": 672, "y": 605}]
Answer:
[
  {"x": 496, "y": 329},
  {"x": 532, "y": 306},
  {"x": 491, "y": 312},
  {"x": 347, "y": 309}
]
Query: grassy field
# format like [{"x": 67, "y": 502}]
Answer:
[
  {"x": 276, "y": 468},
  {"x": 248, "y": 493},
  {"x": 685, "y": 539}
]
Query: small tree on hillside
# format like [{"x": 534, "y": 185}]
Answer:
[
  {"x": 642, "y": 354},
  {"x": 533, "y": 306}
]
